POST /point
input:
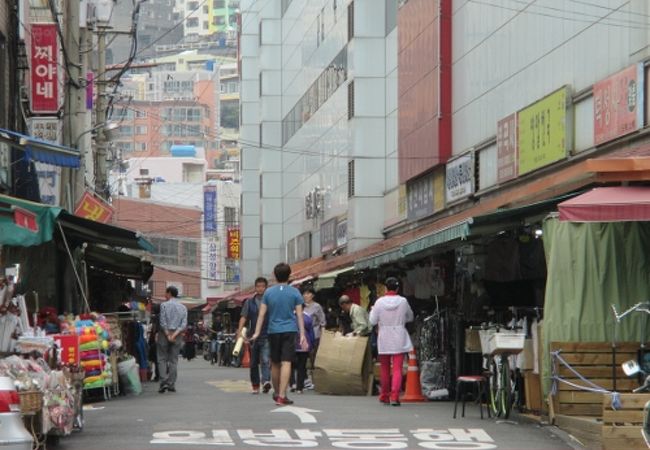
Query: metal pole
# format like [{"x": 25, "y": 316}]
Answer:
[{"x": 101, "y": 176}]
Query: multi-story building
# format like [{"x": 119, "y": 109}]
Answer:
[
  {"x": 318, "y": 127},
  {"x": 223, "y": 17},
  {"x": 196, "y": 17}
]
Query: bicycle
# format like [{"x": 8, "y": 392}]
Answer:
[{"x": 497, "y": 346}]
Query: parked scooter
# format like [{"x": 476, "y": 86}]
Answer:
[{"x": 633, "y": 369}]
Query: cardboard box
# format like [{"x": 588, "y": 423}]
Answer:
[
  {"x": 343, "y": 365},
  {"x": 472, "y": 341}
]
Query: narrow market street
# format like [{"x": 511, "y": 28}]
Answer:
[{"x": 213, "y": 408}]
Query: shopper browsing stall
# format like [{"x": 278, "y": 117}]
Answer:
[
  {"x": 359, "y": 316},
  {"x": 315, "y": 311},
  {"x": 173, "y": 321},
  {"x": 391, "y": 313}
]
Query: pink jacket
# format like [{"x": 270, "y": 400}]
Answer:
[{"x": 391, "y": 312}]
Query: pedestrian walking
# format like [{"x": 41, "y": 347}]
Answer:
[
  {"x": 260, "y": 360},
  {"x": 315, "y": 311},
  {"x": 279, "y": 304},
  {"x": 391, "y": 313},
  {"x": 173, "y": 321},
  {"x": 302, "y": 354}
]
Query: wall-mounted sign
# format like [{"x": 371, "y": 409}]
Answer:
[
  {"x": 92, "y": 208},
  {"x": 234, "y": 243},
  {"x": 209, "y": 209},
  {"x": 5, "y": 164},
  {"x": 460, "y": 178},
  {"x": 44, "y": 71},
  {"x": 303, "y": 246},
  {"x": 543, "y": 132},
  {"x": 439, "y": 189},
  {"x": 291, "y": 251},
  {"x": 49, "y": 176},
  {"x": 232, "y": 272},
  {"x": 342, "y": 233},
  {"x": 618, "y": 104},
  {"x": 328, "y": 236},
  {"x": 507, "y": 148},
  {"x": 213, "y": 261},
  {"x": 419, "y": 197}
]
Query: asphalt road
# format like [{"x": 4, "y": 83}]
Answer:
[{"x": 214, "y": 409}]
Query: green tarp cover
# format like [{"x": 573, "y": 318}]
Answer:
[
  {"x": 12, "y": 234},
  {"x": 592, "y": 266}
]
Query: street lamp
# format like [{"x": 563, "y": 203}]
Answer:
[{"x": 109, "y": 127}]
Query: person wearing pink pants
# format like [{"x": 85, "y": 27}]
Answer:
[{"x": 391, "y": 313}]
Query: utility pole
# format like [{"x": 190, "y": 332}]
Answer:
[{"x": 101, "y": 175}]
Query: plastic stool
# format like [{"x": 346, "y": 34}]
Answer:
[{"x": 480, "y": 383}]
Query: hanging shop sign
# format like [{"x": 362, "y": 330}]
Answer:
[
  {"x": 5, "y": 165},
  {"x": 460, "y": 178},
  {"x": 328, "y": 236},
  {"x": 44, "y": 70},
  {"x": 232, "y": 272},
  {"x": 618, "y": 104},
  {"x": 234, "y": 243},
  {"x": 209, "y": 209},
  {"x": 91, "y": 208},
  {"x": 303, "y": 246},
  {"x": 419, "y": 195},
  {"x": 213, "y": 261},
  {"x": 342, "y": 233},
  {"x": 507, "y": 148},
  {"x": 49, "y": 176},
  {"x": 543, "y": 132}
]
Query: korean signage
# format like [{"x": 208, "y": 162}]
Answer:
[
  {"x": 5, "y": 164},
  {"x": 460, "y": 178},
  {"x": 49, "y": 176},
  {"x": 25, "y": 219},
  {"x": 419, "y": 197},
  {"x": 209, "y": 209},
  {"x": 507, "y": 148},
  {"x": 328, "y": 236},
  {"x": 213, "y": 261},
  {"x": 438, "y": 190},
  {"x": 618, "y": 104},
  {"x": 342, "y": 233},
  {"x": 234, "y": 243},
  {"x": 44, "y": 68},
  {"x": 92, "y": 208},
  {"x": 303, "y": 246},
  {"x": 232, "y": 272},
  {"x": 69, "y": 347},
  {"x": 542, "y": 131}
]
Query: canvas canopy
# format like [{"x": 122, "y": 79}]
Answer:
[{"x": 608, "y": 204}]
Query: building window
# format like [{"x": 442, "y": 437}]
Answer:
[
  {"x": 192, "y": 6},
  {"x": 206, "y": 9},
  {"x": 260, "y": 33},
  {"x": 351, "y": 100},
  {"x": 206, "y": 25},
  {"x": 142, "y": 146},
  {"x": 218, "y": 4},
  {"x": 350, "y": 20},
  {"x": 141, "y": 130},
  {"x": 230, "y": 216},
  {"x": 351, "y": 178},
  {"x": 140, "y": 114},
  {"x": 192, "y": 22},
  {"x": 144, "y": 172}
]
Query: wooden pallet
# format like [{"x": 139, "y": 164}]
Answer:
[
  {"x": 622, "y": 427},
  {"x": 593, "y": 360}
]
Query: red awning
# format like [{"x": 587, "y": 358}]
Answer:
[{"x": 608, "y": 204}]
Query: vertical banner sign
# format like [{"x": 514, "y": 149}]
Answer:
[
  {"x": 419, "y": 197},
  {"x": 438, "y": 190},
  {"x": 507, "y": 148},
  {"x": 460, "y": 178},
  {"x": 342, "y": 233},
  {"x": 92, "y": 208},
  {"x": 618, "y": 104},
  {"x": 234, "y": 243},
  {"x": 44, "y": 68},
  {"x": 213, "y": 261},
  {"x": 90, "y": 90},
  {"x": 328, "y": 236},
  {"x": 543, "y": 132},
  {"x": 49, "y": 176},
  {"x": 210, "y": 209}
]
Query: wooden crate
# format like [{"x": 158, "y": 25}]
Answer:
[
  {"x": 593, "y": 360},
  {"x": 622, "y": 427},
  {"x": 533, "y": 392}
]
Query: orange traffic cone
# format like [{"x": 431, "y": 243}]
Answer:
[
  {"x": 413, "y": 389},
  {"x": 246, "y": 358}
]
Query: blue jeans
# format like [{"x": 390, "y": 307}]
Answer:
[{"x": 260, "y": 359}]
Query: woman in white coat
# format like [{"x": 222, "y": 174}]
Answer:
[{"x": 391, "y": 312}]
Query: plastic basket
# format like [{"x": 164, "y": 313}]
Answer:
[
  {"x": 484, "y": 336},
  {"x": 30, "y": 401},
  {"x": 506, "y": 342}
]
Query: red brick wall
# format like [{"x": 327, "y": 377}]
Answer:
[{"x": 157, "y": 218}]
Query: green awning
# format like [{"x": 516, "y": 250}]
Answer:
[
  {"x": 327, "y": 280},
  {"x": 24, "y": 223},
  {"x": 458, "y": 231},
  {"x": 378, "y": 260}
]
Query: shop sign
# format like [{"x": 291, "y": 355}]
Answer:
[
  {"x": 91, "y": 208},
  {"x": 542, "y": 132},
  {"x": 402, "y": 202},
  {"x": 213, "y": 261},
  {"x": 507, "y": 148},
  {"x": 232, "y": 273},
  {"x": 209, "y": 209},
  {"x": 342, "y": 233},
  {"x": 68, "y": 345},
  {"x": 303, "y": 247},
  {"x": 460, "y": 178},
  {"x": 618, "y": 104},
  {"x": 49, "y": 176},
  {"x": 26, "y": 219},
  {"x": 419, "y": 195},
  {"x": 44, "y": 68},
  {"x": 5, "y": 164},
  {"x": 234, "y": 243},
  {"x": 328, "y": 236},
  {"x": 438, "y": 190}
]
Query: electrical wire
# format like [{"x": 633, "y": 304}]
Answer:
[{"x": 66, "y": 58}]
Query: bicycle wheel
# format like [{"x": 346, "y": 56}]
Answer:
[
  {"x": 506, "y": 387},
  {"x": 494, "y": 387}
]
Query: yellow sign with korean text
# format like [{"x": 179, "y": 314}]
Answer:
[{"x": 544, "y": 132}]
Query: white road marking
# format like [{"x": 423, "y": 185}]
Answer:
[{"x": 302, "y": 413}]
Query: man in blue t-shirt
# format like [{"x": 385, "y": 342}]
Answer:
[{"x": 281, "y": 306}]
